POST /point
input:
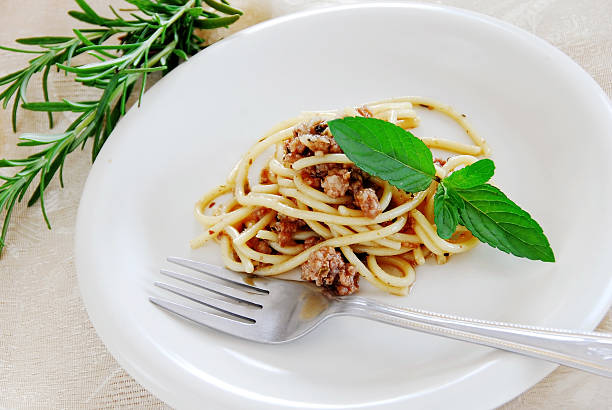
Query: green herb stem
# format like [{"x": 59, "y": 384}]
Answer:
[{"x": 148, "y": 44}]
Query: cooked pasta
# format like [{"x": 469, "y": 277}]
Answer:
[{"x": 313, "y": 208}]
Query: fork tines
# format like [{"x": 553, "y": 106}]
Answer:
[
  {"x": 215, "y": 271},
  {"x": 242, "y": 305}
]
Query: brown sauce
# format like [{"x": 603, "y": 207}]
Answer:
[
  {"x": 313, "y": 305},
  {"x": 249, "y": 280}
]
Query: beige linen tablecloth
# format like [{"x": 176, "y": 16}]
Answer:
[{"x": 50, "y": 355}]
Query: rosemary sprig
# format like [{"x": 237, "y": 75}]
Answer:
[{"x": 156, "y": 39}]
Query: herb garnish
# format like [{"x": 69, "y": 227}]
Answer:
[
  {"x": 385, "y": 152},
  {"x": 157, "y": 38},
  {"x": 389, "y": 152}
]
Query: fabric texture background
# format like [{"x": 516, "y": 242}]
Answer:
[{"x": 51, "y": 356}]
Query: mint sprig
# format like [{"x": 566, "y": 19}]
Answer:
[
  {"x": 447, "y": 202},
  {"x": 382, "y": 149},
  {"x": 391, "y": 153},
  {"x": 446, "y": 211},
  {"x": 476, "y": 174},
  {"x": 494, "y": 219}
]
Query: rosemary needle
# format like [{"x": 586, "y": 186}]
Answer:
[{"x": 156, "y": 38}]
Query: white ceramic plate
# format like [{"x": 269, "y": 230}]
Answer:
[{"x": 549, "y": 126}]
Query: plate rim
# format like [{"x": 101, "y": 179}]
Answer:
[{"x": 512, "y": 362}]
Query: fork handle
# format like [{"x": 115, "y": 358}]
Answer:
[{"x": 588, "y": 351}]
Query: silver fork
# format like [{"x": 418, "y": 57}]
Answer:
[{"x": 278, "y": 311}]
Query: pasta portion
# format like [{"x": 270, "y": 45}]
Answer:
[{"x": 312, "y": 208}]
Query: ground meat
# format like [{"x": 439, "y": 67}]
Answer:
[
  {"x": 336, "y": 184},
  {"x": 314, "y": 176},
  {"x": 440, "y": 161},
  {"x": 294, "y": 150},
  {"x": 320, "y": 144},
  {"x": 409, "y": 226},
  {"x": 256, "y": 215},
  {"x": 356, "y": 181},
  {"x": 367, "y": 201},
  {"x": 315, "y": 126},
  {"x": 286, "y": 226},
  {"x": 259, "y": 245},
  {"x": 310, "y": 138},
  {"x": 323, "y": 170},
  {"x": 339, "y": 179},
  {"x": 310, "y": 178},
  {"x": 266, "y": 177},
  {"x": 312, "y": 241},
  {"x": 336, "y": 180},
  {"x": 327, "y": 268}
]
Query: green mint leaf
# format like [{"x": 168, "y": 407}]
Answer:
[
  {"x": 446, "y": 211},
  {"x": 499, "y": 222},
  {"x": 473, "y": 175},
  {"x": 385, "y": 150}
]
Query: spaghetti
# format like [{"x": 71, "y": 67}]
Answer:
[{"x": 313, "y": 208}]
